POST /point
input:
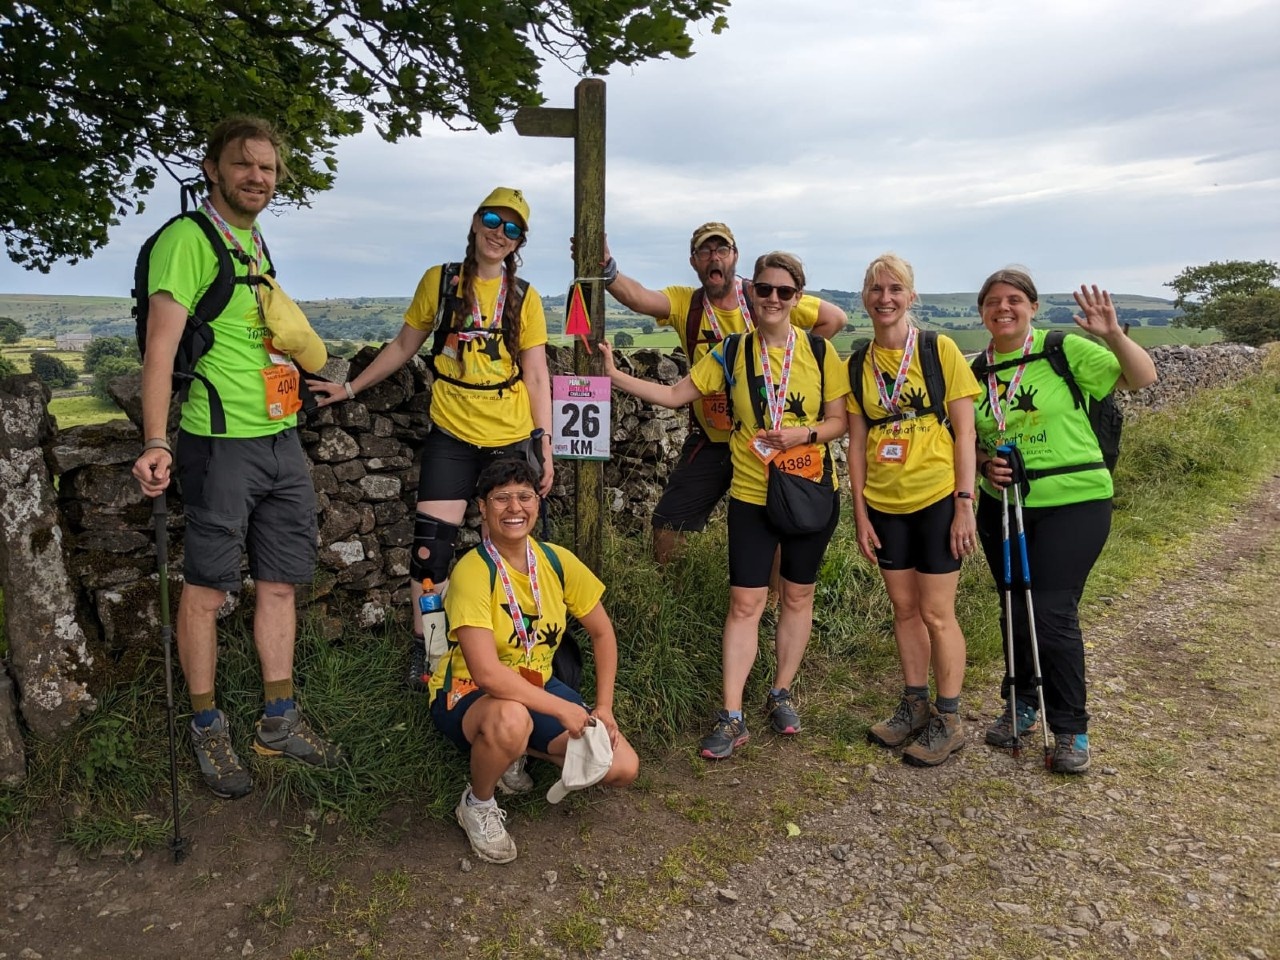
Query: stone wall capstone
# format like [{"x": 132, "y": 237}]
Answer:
[{"x": 363, "y": 463}]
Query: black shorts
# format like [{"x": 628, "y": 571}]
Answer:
[
  {"x": 918, "y": 541},
  {"x": 753, "y": 541},
  {"x": 545, "y": 727},
  {"x": 698, "y": 482},
  {"x": 450, "y": 467},
  {"x": 251, "y": 493}
]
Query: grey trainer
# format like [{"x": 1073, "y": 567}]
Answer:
[
  {"x": 515, "y": 779},
  {"x": 941, "y": 737},
  {"x": 486, "y": 830},
  {"x": 1070, "y": 752},
  {"x": 222, "y": 770},
  {"x": 781, "y": 711},
  {"x": 911, "y": 717},
  {"x": 291, "y": 736},
  {"x": 1000, "y": 733}
]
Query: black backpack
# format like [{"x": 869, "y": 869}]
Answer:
[
  {"x": 448, "y": 303},
  {"x": 197, "y": 338},
  {"x": 935, "y": 385},
  {"x": 1105, "y": 416}
]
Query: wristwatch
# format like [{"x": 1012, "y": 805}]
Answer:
[
  {"x": 963, "y": 495},
  {"x": 813, "y": 435}
]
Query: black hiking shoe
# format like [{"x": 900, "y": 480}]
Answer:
[
  {"x": 1000, "y": 733},
  {"x": 728, "y": 734},
  {"x": 1070, "y": 752},
  {"x": 291, "y": 736},
  {"x": 782, "y": 713},
  {"x": 416, "y": 677},
  {"x": 222, "y": 770},
  {"x": 911, "y": 717}
]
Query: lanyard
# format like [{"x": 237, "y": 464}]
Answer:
[
  {"x": 993, "y": 385},
  {"x": 776, "y": 397},
  {"x": 710, "y": 313},
  {"x": 477, "y": 328},
  {"x": 527, "y": 639},
  {"x": 254, "y": 262},
  {"x": 887, "y": 400}
]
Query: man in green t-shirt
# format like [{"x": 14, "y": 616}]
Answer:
[
  {"x": 245, "y": 487},
  {"x": 721, "y": 305}
]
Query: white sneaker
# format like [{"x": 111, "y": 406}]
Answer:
[
  {"x": 485, "y": 830},
  {"x": 515, "y": 779}
]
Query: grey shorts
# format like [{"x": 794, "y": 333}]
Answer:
[{"x": 250, "y": 494}]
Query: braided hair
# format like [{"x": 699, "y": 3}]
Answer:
[{"x": 511, "y": 309}]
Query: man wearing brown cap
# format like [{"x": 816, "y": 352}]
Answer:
[{"x": 703, "y": 316}]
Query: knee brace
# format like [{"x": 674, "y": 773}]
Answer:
[{"x": 433, "y": 543}]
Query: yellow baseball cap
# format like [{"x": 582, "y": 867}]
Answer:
[
  {"x": 511, "y": 199},
  {"x": 708, "y": 230}
]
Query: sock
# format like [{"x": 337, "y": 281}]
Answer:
[
  {"x": 473, "y": 802},
  {"x": 417, "y": 641},
  {"x": 920, "y": 693},
  {"x": 777, "y": 691},
  {"x": 734, "y": 714},
  {"x": 947, "y": 704},
  {"x": 202, "y": 702},
  {"x": 278, "y": 697}
]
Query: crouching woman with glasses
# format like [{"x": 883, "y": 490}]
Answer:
[
  {"x": 493, "y": 694},
  {"x": 786, "y": 391}
]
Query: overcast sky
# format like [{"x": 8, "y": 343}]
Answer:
[{"x": 1101, "y": 141}]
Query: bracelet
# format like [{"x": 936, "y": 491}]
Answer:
[
  {"x": 351, "y": 393},
  {"x": 963, "y": 495},
  {"x": 609, "y": 271},
  {"x": 158, "y": 443}
]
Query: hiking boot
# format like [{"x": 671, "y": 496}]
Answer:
[
  {"x": 1000, "y": 733},
  {"x": 417, "y": 676},
  {"x": 515, "y": 779},
  {"x": 222, "y": 770},
  {"x": 781, "y": 713},
  {"x": 291, "y": 736},
  {"x": 943, "y": 735},
  {"x": 1070, "y": 752},
  {"x": 911, "y": 717},
  {"x": 725, "y": 736},
  {"x": 485, "y": 830}
]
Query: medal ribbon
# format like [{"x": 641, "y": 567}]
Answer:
[
  {"x": 257, "y": 257},
  {"x": 777, "y": 397},
  {"x": 993, "y": 385},
  {"x": 477, "y": 327},
  {"x": 527, "y": 639},
  {"x": 887, "y": 400},
  {"x": 710, "y": 313}
]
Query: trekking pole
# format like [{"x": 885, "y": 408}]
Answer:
[
  {"x": 1037, "y": 679},
  {"x": 160, "y": 515},
  {"x": 1008, "y": 614}
]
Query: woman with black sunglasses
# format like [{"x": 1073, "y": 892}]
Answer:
[
  {"x": 786, "y": 392},
  {"x": 492, "y": 393}
]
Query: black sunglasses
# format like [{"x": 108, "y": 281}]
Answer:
[
  {"x": 510, "y": 229},
  {"x": 766, "y": 290}
]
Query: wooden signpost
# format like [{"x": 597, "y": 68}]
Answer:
[{"x": 584, "y": 123}]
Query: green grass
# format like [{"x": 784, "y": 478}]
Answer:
[
  {"x": 81, "y": 410},
  {"x": 1179, "y": 470}
]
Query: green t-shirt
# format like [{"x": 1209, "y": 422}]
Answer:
[
  {"x": 184, "y": 265},
  {"x": 1046, "y": 426}
]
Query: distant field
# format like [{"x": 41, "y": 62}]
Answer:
[{"x": 76, "y": 411}]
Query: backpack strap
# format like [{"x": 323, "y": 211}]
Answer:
[
  {"x": 730, "y": 355},
  {"x": 448, "y": 303},
  {"x": 935, "y": 384},
  {"x": 551, "y": 556}
]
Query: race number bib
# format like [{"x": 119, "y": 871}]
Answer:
[
  {"x": 281, "y": 383},
  {"x": 715, "y": 409},
  {"x": 892, "y": 450},
  {"x": 803, "y": 461}
]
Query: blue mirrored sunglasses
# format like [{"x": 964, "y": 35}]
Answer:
[{"x": 510, "y": 229}]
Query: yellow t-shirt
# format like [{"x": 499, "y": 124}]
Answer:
[
  {"x": 485, "y": 418},
  {"x": 803, "y": 315},
  {"x": 927, "y": 474},
  {"x": 472, "y": 601},
  {"x": 803, "y": 407}
]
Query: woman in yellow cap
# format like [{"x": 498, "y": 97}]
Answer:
[{"x": 492, "y": 395}]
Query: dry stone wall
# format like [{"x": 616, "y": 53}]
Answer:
[{"x": 89, "y": 577}]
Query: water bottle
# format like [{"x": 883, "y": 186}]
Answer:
[{"x": 435, "y": 626}]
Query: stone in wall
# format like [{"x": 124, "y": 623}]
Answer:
[
  {"x": 13, "y": 763},
  {"x": 48, "y": 647}
]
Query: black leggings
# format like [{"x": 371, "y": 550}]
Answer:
[{"x": 1063, "y": 543}]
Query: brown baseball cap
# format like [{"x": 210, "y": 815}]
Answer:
[{"x": 708, "y": 230}]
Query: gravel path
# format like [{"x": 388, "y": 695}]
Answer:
[{"x": 1169, "y": 848}]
